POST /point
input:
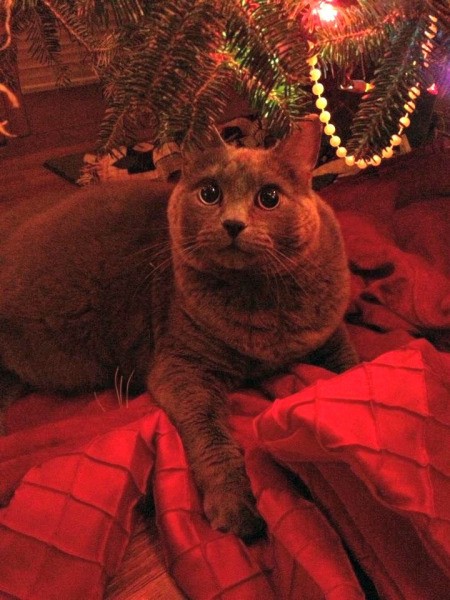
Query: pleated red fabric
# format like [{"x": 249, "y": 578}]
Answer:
[{"x": 371, "y": 445}]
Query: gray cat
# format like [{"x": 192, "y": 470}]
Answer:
[{"x": 243, "y": 275}]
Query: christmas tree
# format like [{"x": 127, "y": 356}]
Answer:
[{"x": 172, "y": 64}]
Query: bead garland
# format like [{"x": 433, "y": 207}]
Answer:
[{"x": 404, "y": 121}]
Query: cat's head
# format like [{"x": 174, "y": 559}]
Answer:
[{"x": 243, "y": 209}]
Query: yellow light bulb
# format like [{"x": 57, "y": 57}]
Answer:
[
  {"x": 321, "y": 103},
  {"x": 349, "y": 161},
  {"x": 329, "y": 129},
  {"x": 318, "y": 89},
  {"x": 341, "y": 152},
  {"x": 361, "y": 163},
  {"x": 376, "y": 160},
  {"x": 315, "y": 74},
  {"x": 387, "y": 152},
  {"x": 335, "y": 141},
  {"x": 396, "y": 140},
  {"x": 405, "y": 121},
  {"x": 324, "y": 116}
]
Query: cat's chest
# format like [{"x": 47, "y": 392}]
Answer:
[
  {"x": 272, "y": 326},
  {"x": 278, "y": 340},
  {"x": 273, "y": 338}
]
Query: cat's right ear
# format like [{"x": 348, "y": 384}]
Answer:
[{"x": 196, "y": 152}]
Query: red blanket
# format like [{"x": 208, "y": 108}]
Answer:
[{"x": 351, "y": 472}]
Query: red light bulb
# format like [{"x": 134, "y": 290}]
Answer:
[{"x": 326, "y": 12}]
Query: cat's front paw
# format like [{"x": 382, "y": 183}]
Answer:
[{"x": 234, "y": 510}]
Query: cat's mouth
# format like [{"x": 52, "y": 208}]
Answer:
[
  {"x": 235, "y": 255},
  {"x": 236, "y": 247},
  {"x": 239, "y": 250}
]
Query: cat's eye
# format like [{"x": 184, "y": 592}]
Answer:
[
  {"x": 268, "y": 197},
  {"x": 210, "y": 193}
]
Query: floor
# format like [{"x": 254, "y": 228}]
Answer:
[
  {"x": 60, "y": 122},
  {"x": 65, "y": 122}
]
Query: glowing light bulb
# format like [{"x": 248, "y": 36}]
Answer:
[
  {"x": 335, "y": 141},
  {"x": 326, "y": 12},
  {"x": 318, "y": 89},
  {"x": 405, "y": 121},
  {"x": 349, "y": 161}
]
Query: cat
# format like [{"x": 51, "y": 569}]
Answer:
[{"x": 190, "y": 290}]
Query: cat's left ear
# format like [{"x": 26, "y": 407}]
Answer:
[{"x": 302, "y": 147}]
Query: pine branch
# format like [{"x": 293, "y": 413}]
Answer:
[
  {"x": 77, "y": 28},
  {"x": 8, "y": 61},
  {"x": 441, "y": 10},
  {"x": 206, "y": 108},
  {"x": 43, "y": 36},
  {"x": 126, "y": 11},
  {"x": 267, "y": 49},
  {"x": 360, "y": 31},
  {"x": 377, "y": 117},
  {"x": 173, "y": 62},
  {"x": 166, "y": 73},
  {"x": 280, "y": 106},
  {"x": 267, "y": 42}
]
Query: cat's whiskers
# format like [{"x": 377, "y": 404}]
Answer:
[
  {"x": 123, "y": 398},
  {"x": 98, "y": 402},
  {"x": 167, "y": 262},
  {"x": 298, "y": 249},
  {"x": 118, "y": 382},
  {"x": 127, "y": 388},
  {"x": 307, "y": 267},
  {"x": 148, "y": 248},
  {"x": 156, "y": 270},
  {"x": 152, "y": 260},
  {"x": 276, "y": 274},
  {"x": 274, "y": 279},
  {"x": 153, "y": 243},
  {"x": 279, "y": 258},
  {"x": 189, "y": 248},
  {"x": 160, "y": 267}
]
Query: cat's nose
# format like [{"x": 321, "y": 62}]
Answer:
[{"x": 233, "y": 227}]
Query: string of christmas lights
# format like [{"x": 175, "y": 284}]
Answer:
[{"x": 403, "y": 123}]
